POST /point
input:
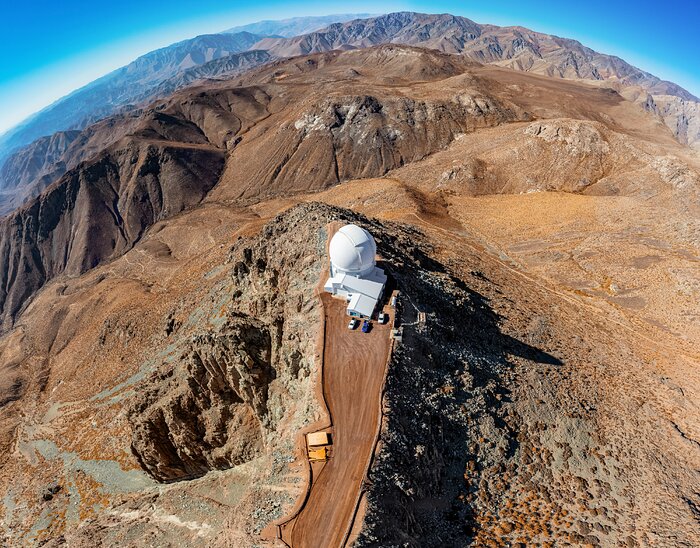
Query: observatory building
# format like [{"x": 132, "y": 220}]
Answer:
[{"x": 354, "y": 274}]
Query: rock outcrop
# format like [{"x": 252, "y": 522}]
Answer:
[
  {"x": 217, "y": 403},
  {"x": 682, "y": 116},
  {"x": 205, "y": 413},
  {"x": 350, "y": 137}
]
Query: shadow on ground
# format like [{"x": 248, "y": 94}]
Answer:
[{"x": 447, "y": 394}]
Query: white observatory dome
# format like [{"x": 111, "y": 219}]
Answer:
[{"x": 352, "y": 250}]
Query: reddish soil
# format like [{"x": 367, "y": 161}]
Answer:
[{"x": 354, "y": 370}]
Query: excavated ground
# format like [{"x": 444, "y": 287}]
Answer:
[{"x": 354, "y": 366}]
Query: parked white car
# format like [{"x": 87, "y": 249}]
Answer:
[
  {"x": 383, "y": 318},
  {"x": 353, "y": 323}
]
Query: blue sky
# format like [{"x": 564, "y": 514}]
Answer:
[{"x": 53, "y": 47}]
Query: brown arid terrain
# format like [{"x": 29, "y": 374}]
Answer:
[
  {"x": 163, "y": 334},
  {"x": 40, "y": 150}
]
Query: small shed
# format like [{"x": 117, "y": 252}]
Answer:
[
  {"x": 317, "y": 439},
  {"x": 361, "y": 305}
]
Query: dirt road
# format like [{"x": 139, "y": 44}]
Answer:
[{"x": 354, "y": 368}]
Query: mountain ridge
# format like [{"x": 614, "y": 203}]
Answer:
[
  {"x": 163, "y": 344},
  {"x": 211, "y": 57},
  {"x": 224, "y": 120},
  {"x": 427, "y": 30},
  {"x": 294, "y": 26},
  {"x": 132, "y": 83},
  {"x": 514, "y": 47}
]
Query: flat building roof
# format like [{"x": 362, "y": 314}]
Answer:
[
  {"x": 317, "y": 438},
  {"x": 362, "y": 304}
]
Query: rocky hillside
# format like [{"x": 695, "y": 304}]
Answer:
[
  {"x": 31, "y": 169},
  {"x": 517, "y": 48},
  {"x": 492, "y": 429},
  {"x": 163, "y": 71},
  {"x": 26, "y": 173},
  {"x": 289, "y": 128},
  {"x": 38, "y": 160},
  {"x": 97, "y": 212},
  {"x": 156, "y": 74},
  {"x": 185, "y": 141},
  {"x": 225, "y": 67},
  {"x": 99, "y": 209},
  {"x": 496, "y": 436},
  {"x": 159, "y": 352},
  {"x": 211, "y": 403}
]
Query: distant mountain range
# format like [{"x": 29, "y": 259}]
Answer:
[
  {"x": 161, "y": 72},
  {"x": 131, "y": 84},
  {"x": 296, "y": 25},
  {"x": 138, "y": 81},
  {"x": 513, "y": 47}
]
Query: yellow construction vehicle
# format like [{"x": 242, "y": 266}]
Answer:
[{"x": 318, "y": 444}]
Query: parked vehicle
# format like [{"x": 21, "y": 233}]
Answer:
[
  {"x": 353, "y": 323},
  {"x": 393, "y": 302},
  {"x": 366, "y": 326},
  {"x": 383, "y": 318}
]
